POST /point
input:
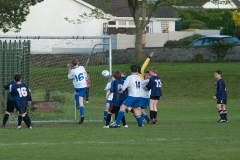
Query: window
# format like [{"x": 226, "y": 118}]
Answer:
[
  {"x": 165, "y": 26},
  {"x": 112, "y": 23},
  {"x": 208, "y": 41},
  {"x": 198, "y": 42}
]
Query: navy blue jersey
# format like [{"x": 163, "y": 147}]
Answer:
[
  {"x": 155, "y": 85},
  {"x": 118, "y": 97},
  {"x": 9, "y": 88},
  {"x": 126, "y": 90},
  {"x": 221, "y": 90},
  {"x": 21, "y": 94}
]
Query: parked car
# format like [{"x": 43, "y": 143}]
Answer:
[{"x": 208, "y": 40}]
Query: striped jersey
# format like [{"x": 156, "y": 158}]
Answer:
[
  {"x": 9, "y": 88},
  {"x": 78, "y": 75},
  {"x": 118, "y": 93},
  {"x": 21, "y": 94},
  {"x": 221, "y": 89},
  {"x": 155, "y": 86}
]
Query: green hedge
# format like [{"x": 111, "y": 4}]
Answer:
[
  {"x": 213, "y": 18},
  {"x": 184, "y": 41},
  {"x": 191, "y": 23}
]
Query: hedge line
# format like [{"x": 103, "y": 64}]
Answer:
[{"x": 214, "y": 18}]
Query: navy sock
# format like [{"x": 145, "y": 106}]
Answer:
[
  {"x": 25, "y": 119},
  {"x": 220, "y": 113},
  {"x": 19, "y": 120},
  {"x": 108, "y": 119},
  {"x": 5, "y": 118},
  {"x": 28, "y": 118}
]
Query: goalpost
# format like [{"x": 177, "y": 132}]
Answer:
[{"x": 42, "y": 62}]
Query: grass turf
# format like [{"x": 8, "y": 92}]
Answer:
[{"x": 187, "y": 127}]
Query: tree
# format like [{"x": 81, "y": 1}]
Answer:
[
  {"x": 14, "y": 12},
  {"x": 142, "y": 11}
]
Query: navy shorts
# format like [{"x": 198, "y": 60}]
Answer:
[
  {"x": 222, "y": 101},
  {"x": 11, "y": 105},
  {"x": 155, "y": 97},
  {"x": 22, "y": 110}
]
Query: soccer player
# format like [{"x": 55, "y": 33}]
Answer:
[
  {"x": 134, "y": 86},
  {"x": 108, "y": 97},
  {"x": 78, "y": 74},
  {"x": 144, "y": 103},
  {"x": 142, "y": 69},
  {"x": 155, "y": 86},
  {"x": 11, "y": 103},
  {"x": 22, "y": 96},
  {"x": 221, "y": 96},
  {"x": 117, "y": 100}
]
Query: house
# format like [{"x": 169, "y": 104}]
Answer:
[
  {"x": 223, "y": 4},
  {"x": 48, "y": 19}
]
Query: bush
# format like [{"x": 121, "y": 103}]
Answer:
[
  {"x": 186, "y": 24},
  {"x": 195, "y": 26},
  {"x": 188, "y": 40},
  {"x": 221, "y": 48},
  {"x": 237, "y": 33},
  {"x": 172, "y": 43},
  {"x": 228, "y": 28},
  {"x": 214, "y": 20}
]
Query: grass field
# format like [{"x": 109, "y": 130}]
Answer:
[{"x": 187, "y": 127}]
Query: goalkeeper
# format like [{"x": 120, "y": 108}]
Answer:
[{"x": 142, "y": 69}]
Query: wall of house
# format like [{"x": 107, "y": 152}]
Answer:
[{"x": 47, "y": 19}]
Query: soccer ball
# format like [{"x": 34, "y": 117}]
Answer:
[{"x": 105, "y": 73}]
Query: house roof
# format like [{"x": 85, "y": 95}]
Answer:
[
  {"x": 237, "y": 2},
  {"x": 119, "y": 8}
]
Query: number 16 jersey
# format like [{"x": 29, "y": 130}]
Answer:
[{"x": 78, "y": 75}]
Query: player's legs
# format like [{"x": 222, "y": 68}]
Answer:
[
  {"x": 22, "y": 112},
  {"x": 109, "y": 115},
  {"x": 221, "y": 106},
  {"x": 81, "y": 92},
  {"x": 151, "y": 108},
  {"x": 143, "y": 105},
  {"x": 76, "y": 97},
  {"x": 105, "y": 112},
  {"x": 9, "y": 109},
  {"x": 120, "y": 114},
  {"x": 144, "y": 115}
]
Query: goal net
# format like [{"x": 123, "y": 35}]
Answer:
[{"x": 42, "y": 62}]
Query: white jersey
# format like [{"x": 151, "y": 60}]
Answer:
[
  {"x": 146, "y": 93},
  {"x": 108, "y": 86},
  {"x": 78, "y": 75},
  {"x": 134, "y": 85}
]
